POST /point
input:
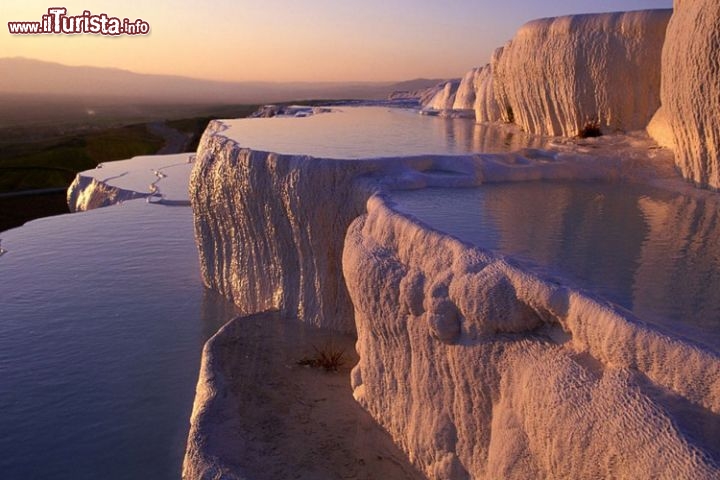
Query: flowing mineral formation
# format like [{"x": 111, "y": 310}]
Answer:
[
  {"x": 162, "y": 178},
  {"x": 490, "y": 372},
  {"x": 465, "y": 95},
  {"x": 478, "y": 368},
  {"x": 691, "y": 90},
  {"x": 444, "y": 99},
  {"x": 485, "y": 105},
  {"x": 558, "y": 75},
  {"x": 475, "y": 367}
]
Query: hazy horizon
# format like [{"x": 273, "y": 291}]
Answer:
[
  {"x": 190, "y": 77},
  {"x": 39, "y": 87},
  {"x": 280, "y": 41}
]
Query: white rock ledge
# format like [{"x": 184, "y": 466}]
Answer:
[
  {"x": 160, "y": 178},
  {"x": 620, "y": 72},
  {"x": 88, "y": 193},
  {"x": 476, "y": 368}
]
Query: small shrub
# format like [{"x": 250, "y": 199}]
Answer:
[
  {"x": 329, "y": 358},
  {"x": 591, "y": 129}
]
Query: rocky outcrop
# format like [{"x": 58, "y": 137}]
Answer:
[
  {"x": 459, "y": 98},
  {"x": 691, "y": 89},
  {"x": 558, "y": 75},
  {"x": 619, "y": 72},
  {"x": 489, "y": 372},
  {"x": 419, "y": 91},
  {"x": 261, "y": 221},
  {"x": 89, "y": 193}
]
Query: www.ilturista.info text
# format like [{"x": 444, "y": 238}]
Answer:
[{"x": 58, "y": 22}]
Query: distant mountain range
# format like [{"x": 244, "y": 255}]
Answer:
[{"x": 26, "y": 76}]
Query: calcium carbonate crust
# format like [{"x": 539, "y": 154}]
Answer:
[
  {"x": 616, "y": 72},
  {"x": 479, "y": 369},
  {"x": 442, "y": 102},
  {"x": 160, "y": 178},
  {"x": 619, "y": 72},
  {"x": 485, "y": 106},
  {"x": 691, "y": 90},
  {"x": 465, "y": 95},
  {"x": 88, "y": 193},
  {"x": 475, "y": 367},
  {"x": 558, "y": 75}
]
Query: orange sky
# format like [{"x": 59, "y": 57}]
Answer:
[{"x": 287, "y": 40}]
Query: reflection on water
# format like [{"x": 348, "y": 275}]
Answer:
[
  {"x": 365, "y": 132},
  {"x": 102, "y": 320},
  {"x": 464, "y": 135},
  {"x": 652, "y": 252},
  {"x": 679, "y": 269}
]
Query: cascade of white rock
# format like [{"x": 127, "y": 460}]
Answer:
[
  {"x": 465, "y": 95},
  {"x": 691, "y": 90},
  {"x": 558, "y": 75},
  {"x": 445, "y": 97},
  {"x": 480, "y": 370},
  {"x": 485, "y": 106},
  {"x": 462, "y": 356}
]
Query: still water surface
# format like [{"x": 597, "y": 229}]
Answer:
[
  {"x": 102, "y": 320},
  {"x": 652, "y": 252},
  {"x": 366, "y": 132}
]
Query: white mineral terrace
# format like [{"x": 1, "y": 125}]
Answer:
[
  {"x": 158, "y": 178},
  {"x": 468, "y": 360},
  {"x": 471, "y": 360},
  {"x": 476, "y": 363},
  {"x": 475, "y": 366}
]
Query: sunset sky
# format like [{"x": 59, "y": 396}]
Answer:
[{"x": 288, "y": 40}]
